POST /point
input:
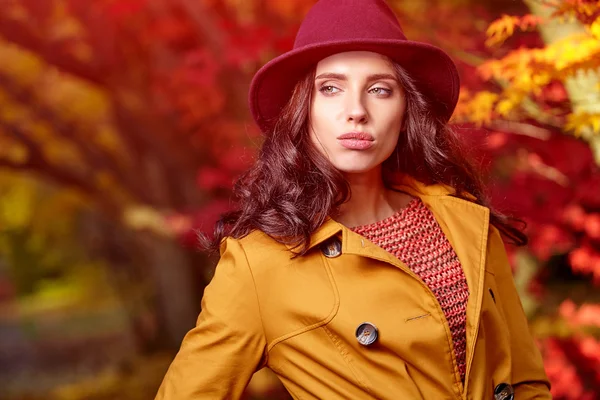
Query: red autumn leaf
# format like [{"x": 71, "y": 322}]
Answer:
[
  {"x": 237, "y": 159},
  {"x": 206, "y": 217},
  {"x": 496, "y": 140},
  {"x": 120, "y": 9},
  {"x": 592, "y": 225},
  {"x": 248, "y": 45},
  {"x": 554, "y": 92},
  {"x": 530, "y": 21},
  {"x": 574, "y": 215},
  {"x": 214, "y": 178}
]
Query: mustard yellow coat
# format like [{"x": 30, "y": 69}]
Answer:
[{"x": 298, "y": 317}]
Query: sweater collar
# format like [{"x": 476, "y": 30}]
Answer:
[{"x": 403, "y": 183}]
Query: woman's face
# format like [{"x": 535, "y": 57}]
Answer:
[{"x": 357, "y": 110}]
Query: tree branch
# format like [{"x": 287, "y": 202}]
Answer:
[
  {"x": 207, "y": 31},
  {"x": 65, "y": 180},
  {"x": 520, "y": 128},
  {"x": 55, "y": 55},
  {"x": 36, "y": 161},
  {"x": 98, "y": 160}
]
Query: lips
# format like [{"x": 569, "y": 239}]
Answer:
[
  {"x": 356, "y": 140},
  {"x": 357, "y": 136}
]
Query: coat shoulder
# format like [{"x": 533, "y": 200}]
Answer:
[{"x": 262, "y": 251}]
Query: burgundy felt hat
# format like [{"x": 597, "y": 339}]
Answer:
[{"x": 334, "y": 26}]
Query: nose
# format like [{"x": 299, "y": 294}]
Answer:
[{"x": 356, "y": 110}]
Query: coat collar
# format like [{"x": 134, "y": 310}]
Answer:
[{"x": 403, "y": 183}]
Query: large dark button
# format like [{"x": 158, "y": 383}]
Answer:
[
  {"x": 504, "y": 391},
  {"x": 332, "y": 247},
  {"x": 366, "y": 333}
]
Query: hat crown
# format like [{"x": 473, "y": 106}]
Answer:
[{"x": 330, "y": 20}]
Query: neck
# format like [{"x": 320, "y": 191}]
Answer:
[{"x": 370, "y": 201}]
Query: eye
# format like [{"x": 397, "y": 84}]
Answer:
[
  {"x": 381, "y": 91},
  {"x": 328, "y": 89}
]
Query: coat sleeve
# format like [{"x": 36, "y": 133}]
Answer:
[
  {"x": 529, "y": 379},
  {"x": 218, "y": 357}
]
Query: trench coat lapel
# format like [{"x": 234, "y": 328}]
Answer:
[{"x": 466, "y": 225}]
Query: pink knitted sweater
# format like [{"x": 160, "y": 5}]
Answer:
[{"x": 413, "y": 235}]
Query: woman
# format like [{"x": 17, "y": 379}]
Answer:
[{"x": 364, "y": 261}]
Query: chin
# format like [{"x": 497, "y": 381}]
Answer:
[
  {"x": 357, "y": 163},
  {"x": 354, "y": 168}
]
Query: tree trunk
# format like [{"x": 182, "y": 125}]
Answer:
[{"x": 175, "y": 287}]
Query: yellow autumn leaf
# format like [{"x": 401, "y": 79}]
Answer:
[
  {"x": 23, "y": 67},
  {"x": 481, "y": 106},
  {"x": 580, "y": 122},
  {"x": 523, "y": 82},
  {"x": 587, "y": 8},
  {"x": 595, "y": 28},
  {"x": 66, "y": 29},
  {"x": 572, "y": 52},
  {"x": 75, "y": 99},
  {"x": 16, "y": 206},
  {"x": 16, "y": 153},
  {"x": 39, "y": 131},
  {"x": 63, "y": 153},
  {"x": 500, "y": 30},
  {"x": 64, "y": 26},
  {"x": 504, "y": 107},
  {"x": 595, "y": 120},
  {"x": 108, "y": 138},
  {"x": 12, "y": 113},
  {"x": 83, "y": 51},
  {"x": 540, "y": 80},
  {"x": 104, "y": 180},
  {"x": 146, "y": 218},
  {"x": 16, "y": 12}
]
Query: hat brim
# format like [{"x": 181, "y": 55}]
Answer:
[{"x": 433, "y": 70}]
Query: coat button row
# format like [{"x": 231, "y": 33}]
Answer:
[
  {"x": 332, "y": 248},
  {"x": 367, "y": 333},
  {"x": 504, "y": 391}
]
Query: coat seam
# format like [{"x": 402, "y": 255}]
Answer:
[
  {"x": 347, "y": 358},
  {"x": 266, "y": 353},
  {"x": 326, "y": 320}
]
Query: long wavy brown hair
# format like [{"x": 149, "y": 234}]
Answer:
[{"x": 292, "y": 188}]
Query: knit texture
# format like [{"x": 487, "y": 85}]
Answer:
[{"x": 414, "y": 236}]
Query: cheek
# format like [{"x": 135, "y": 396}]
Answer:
[
  {"x": 316, "y": 127},
  {"x": 318, "y": 113},
  {"x": 393, "y": 129},
  {"x": 391, "y": 143},
  {"x": 391, "y": 120},
  {"x": 320, "y": 121}
]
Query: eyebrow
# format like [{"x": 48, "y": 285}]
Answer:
[{"x": 342, "y": 77}]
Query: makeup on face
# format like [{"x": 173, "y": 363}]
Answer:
[
  {"x": 357, "y": 110},
  {"x": 356, "y": 140}
]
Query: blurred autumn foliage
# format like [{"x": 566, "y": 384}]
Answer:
[{"x": 123, "y": 124}]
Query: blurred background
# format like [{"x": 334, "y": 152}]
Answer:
[{"x": 123, "y": 124}]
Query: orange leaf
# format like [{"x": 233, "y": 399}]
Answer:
[{"x": 501, "y": 29}]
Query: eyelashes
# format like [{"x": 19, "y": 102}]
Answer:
[
  {"x": 382, "y": 92},
  {"x": 328, "y": 89}
]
